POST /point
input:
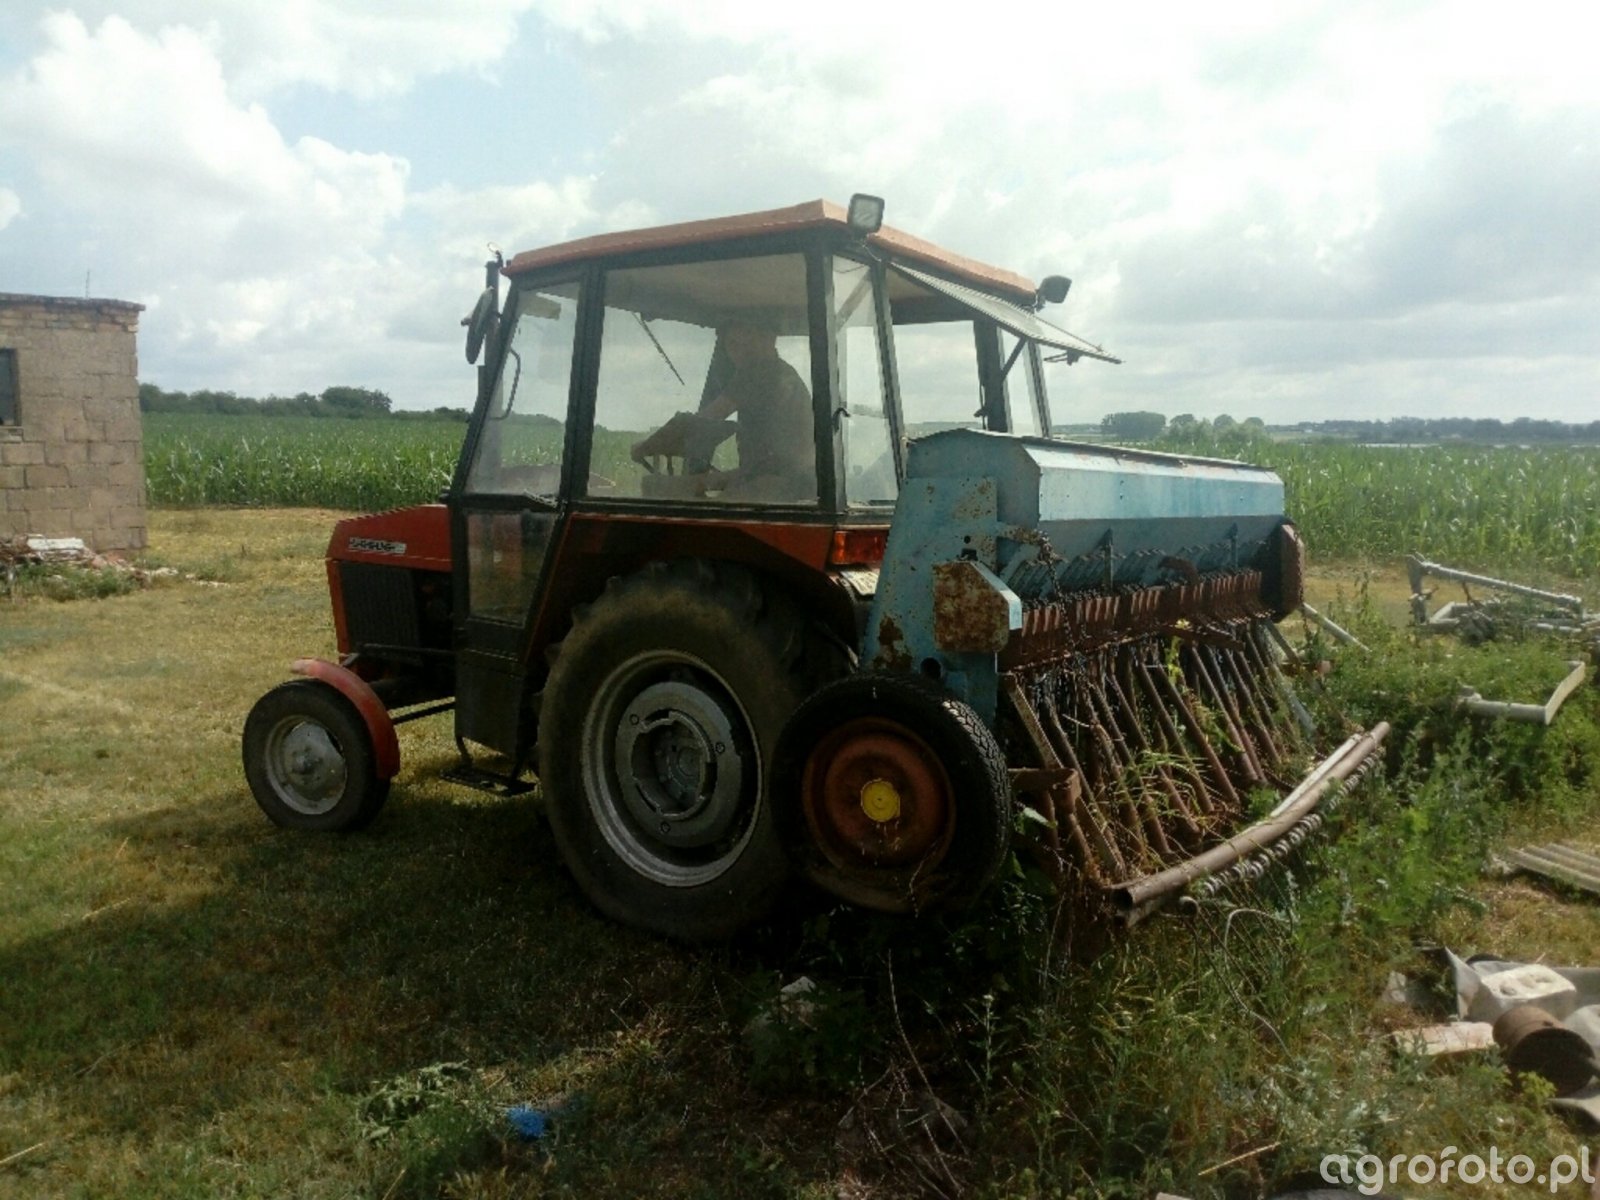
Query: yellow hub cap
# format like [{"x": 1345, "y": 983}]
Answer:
[{"x": 880, "y": 801}]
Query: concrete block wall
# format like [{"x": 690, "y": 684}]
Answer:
[{"x": 72, "y": 464}]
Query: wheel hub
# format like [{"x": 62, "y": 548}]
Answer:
[
  {"x": 880, "y": 800},
  {"x": 307, "y": 767},
  {"x": 675, "y": 758}
]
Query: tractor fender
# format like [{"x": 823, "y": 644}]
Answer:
[{"x": 385, "y": 744}]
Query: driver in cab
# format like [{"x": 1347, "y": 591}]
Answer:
[{"x": 771, "y": 422}]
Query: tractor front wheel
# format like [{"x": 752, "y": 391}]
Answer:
[
  {"x": 310, "y": 760},
  {"x": 656, "y": 733}
]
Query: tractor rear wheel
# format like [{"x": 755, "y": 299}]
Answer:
[
  {"x": 892, "y": 794},
  {"x": 309, "y": 759},
  {"x": 656, "y": 732}
]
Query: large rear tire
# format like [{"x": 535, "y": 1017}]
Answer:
[
  {"x": 656, "y": 731},
  {"x": 892, "y": 794}
]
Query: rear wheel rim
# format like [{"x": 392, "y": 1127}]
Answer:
[
  {"x": 305, "y": 766},
  {"x": 670, "y": 767}
]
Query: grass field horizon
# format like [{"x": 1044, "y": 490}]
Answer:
[{"x": 1521, "y": 508}]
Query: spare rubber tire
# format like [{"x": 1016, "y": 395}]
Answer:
[{"x": 892, "y": 794}]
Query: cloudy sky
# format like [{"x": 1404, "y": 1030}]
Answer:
[{"x": 1286, "y": 210}]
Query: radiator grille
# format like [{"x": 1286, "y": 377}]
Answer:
[{"x": 380, "y": 605}]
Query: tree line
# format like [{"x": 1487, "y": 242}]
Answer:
[
  {"x": 1143, "y": 426},
  {"x": 342, "y": 401}
]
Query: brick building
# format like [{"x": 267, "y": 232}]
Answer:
[{"x": 71, "y": 449}]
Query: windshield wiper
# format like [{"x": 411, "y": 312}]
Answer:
[{"x": 660, "y": 349}]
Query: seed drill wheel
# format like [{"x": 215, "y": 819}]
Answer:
[
  {"x": 310, "y": 760},
  {"x": 893, "y": 795},
  {"x": 659, "y": 720}
]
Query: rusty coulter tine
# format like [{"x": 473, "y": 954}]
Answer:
[
  {"x": 1172, "y": 740},
  {"x": 1250, "y": 766},
  {"x": 1251, "y": 707},
  {"x": 1135, "y": 731},
  {"x": 1102, "y": 840},
  {"x": 1135, "y": 815},
  {"x": 1198, "y": 733}
]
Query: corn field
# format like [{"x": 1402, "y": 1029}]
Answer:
[
  {"x": 1473, "y": 506},
  {"x": 297, "y": 461},
  {"x": 1503, "y": 507}
]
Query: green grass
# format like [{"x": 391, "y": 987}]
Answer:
[{"x": 195, "y": 1003}]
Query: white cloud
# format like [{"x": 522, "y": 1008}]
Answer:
[
  {"x": 142, "y": 128},
  {"x": 351, "y": 46},
  {"x": 249, "y": 240}
]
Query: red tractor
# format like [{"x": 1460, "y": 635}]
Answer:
[{"x": 760, "y": 555}]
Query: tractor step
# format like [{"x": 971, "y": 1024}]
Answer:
[{"x": 483, "y": 780}]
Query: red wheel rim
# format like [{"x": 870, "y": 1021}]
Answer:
[{"x": 876, "y": 796}]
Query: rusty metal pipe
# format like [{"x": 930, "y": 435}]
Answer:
[
  {"x": 1253, "y": 866},
  {"x": 1345, "y": 761}
]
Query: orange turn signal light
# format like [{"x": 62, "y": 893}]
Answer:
[{"x": 858, "y": 547}]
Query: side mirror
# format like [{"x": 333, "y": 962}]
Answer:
[
  {"x": 478, "y": 322},
  {"x": 1054, "y": 289},
  {"x": 865, "y": 214}
]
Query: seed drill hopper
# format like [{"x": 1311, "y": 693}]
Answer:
[
  {"x": 732, "y": 566},
  {"x": 1109, "y": 616}
]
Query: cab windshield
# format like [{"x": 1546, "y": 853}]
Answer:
[{"x": 704, "y": 391}]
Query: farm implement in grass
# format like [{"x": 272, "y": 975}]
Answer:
[{"x": 730, "y": 564}]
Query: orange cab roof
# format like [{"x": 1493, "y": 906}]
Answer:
[{"x": 813, "y": 214}]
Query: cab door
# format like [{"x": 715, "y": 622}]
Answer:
[{"x": 507, "y": 510}]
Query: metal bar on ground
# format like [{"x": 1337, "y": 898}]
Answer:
[
  {"x": 1535, "y": 714},
  {"x": 1564, "y": 864},
  {"x": 1346, "y": 760},
  {"x": 1338, "y": 631},
  {"x": 1439, "y": 571}
]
